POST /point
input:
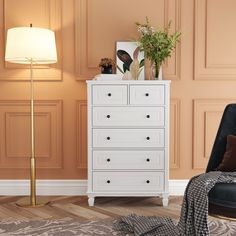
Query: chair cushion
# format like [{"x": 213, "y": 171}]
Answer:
[
  {"x": 227, "y": 127},
  {"x": 229, "y": 160},
  {"x": 223, "y": 194}
]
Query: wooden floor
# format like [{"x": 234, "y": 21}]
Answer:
[{"x": 77, "y": 207}]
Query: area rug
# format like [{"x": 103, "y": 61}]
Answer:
[{"x": 69, "y": 227}]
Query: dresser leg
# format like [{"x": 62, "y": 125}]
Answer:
[
  {"x": 165, "y": 200},
  {"x": 91, "y": 201}
]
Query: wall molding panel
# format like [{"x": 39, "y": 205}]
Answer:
[
  {"x": 175, "y": 107},
  {"x": 207, "y": 116},
  {"x": 81, "y": 134},
  {"x": 214, "y": 50},
  {"x": 21, "y": 121},
  {"x": 90, "y": 47},
  {"x": 15, "y": 134},
  {"x": 172, "y": 67},
  {"x": 44, "y": 13}
]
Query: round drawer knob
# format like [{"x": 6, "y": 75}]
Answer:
[
  {"x": 108, "y": 116},
  {"x": 109, "y": 94},
  {"x": 148, "y": 181},
  {"x": 148, "y": 138},
  {"x": 108, "y": 159},
  {"x": 148, "y": 160},
  {"x": 108, "y": 138},
  {"x": 108, "y": 181},
  {"x": 148, "y": 116},
  {"x": 146, "y": 94}
]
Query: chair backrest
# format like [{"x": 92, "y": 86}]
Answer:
[{"x": 227, "y": 126}]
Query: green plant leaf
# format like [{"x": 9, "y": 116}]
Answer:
[{"x": 157, "y": 44}]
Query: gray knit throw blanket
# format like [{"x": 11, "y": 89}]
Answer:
[{"x": 194, "y": 212}]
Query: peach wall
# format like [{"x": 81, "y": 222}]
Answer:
[{"x": 202, "y": 70}]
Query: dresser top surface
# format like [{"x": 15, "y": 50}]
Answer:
[{"x": 144, "y": 82}]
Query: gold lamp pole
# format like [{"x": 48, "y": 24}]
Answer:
[
  {"x": 31, "y": 45},
  {"x": 32, "y": 159}
]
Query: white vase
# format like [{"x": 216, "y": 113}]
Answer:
[
  {"x": 153, "y": 73},
  {"x": 160, "y": 73}
]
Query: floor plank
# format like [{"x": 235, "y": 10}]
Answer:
[{"x": 77, "y": 207}]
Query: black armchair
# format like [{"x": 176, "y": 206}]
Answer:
[{"x": 222, "y": 198}]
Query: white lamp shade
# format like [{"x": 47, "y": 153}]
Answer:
[{"x": 26, "y": 44}]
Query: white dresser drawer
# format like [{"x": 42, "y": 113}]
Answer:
[
  {"x": 110, "y": 95},
  {"x": 128, "y": 116},
  {"x": 128, "y": 181},
  {"x": 128, "y": 138},
  {"x": 147, "y": 95},
  {"x": 136, "y": 160}
]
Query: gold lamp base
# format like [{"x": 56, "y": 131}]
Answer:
[{"x": 26, "y": 202}]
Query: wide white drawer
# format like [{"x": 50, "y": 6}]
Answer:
[
  {"x": 128, "y": 138},
  {"x": 110, "y": 95},
  {"x": 135, "y": 160},
  {"x": 128, "y": 181},
  {"x": 128, "y": 116},
  {"x": 147, "y": 94}
]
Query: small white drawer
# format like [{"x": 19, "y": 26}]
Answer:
[
  {"x": 128, "y": 181},
  {"x": 128, "y": 138},
  {"x": 134, "y": 160},
  {"x": 110, "y": 94},
  {"x": 128, "y": 116},
  {"x": 147, "y": 94}
]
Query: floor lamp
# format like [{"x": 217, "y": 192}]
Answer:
[{"x": 31, "y": 45}]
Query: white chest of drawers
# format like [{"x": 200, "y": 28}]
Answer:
[{"x": 128, "y": 139}]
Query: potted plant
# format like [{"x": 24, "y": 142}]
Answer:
[
  {"x": 156, "y": 44},
  {"x": 106, "y": 65}
]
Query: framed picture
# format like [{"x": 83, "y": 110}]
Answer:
[{"x": 129, "y": 59}]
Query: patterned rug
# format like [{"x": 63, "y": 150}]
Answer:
[{"x": 69, "y": 226}]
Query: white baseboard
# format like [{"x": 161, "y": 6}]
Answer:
[
  {"x": 177, "y": 186},
  {"x": 66, "y": 187},
  {"x": 44, "y": 187}
]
